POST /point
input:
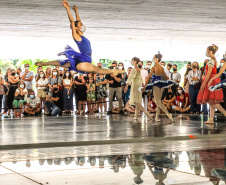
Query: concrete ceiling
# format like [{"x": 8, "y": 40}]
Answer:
[{"x": 170, "y": 21}]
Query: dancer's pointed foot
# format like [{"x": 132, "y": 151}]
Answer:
[
  {"x": 170, "y": 117},
  {"x": 39, "y": 63},
  {"x": 115, "y": 72},
  {"x": 210, "y": 121},
  {"x": 157, "y": 119},
  {"x": 149, "y": 115},
  {"x": 135, "y": 118}
]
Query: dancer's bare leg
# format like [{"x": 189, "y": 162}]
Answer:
[
  {"x": 136, "y": 112},
  {"x": 211, "y": 119},
  {"x": 84, "y": 67},
  {"x": 220, "y": 108}
]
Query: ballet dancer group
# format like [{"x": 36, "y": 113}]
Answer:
[{"x": 210, "y": 91}]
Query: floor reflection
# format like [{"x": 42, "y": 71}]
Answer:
[{"x": 202, "y": 163}]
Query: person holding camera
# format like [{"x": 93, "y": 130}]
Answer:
[
  {"x": 42, "y": 86},
  {"x": 55, "y": 103},
  {"x": 114, "y": 87}
]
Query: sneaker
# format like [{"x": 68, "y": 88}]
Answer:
[
  {"x": 109, "y": 112},
  {"x": 96, "y": 111},
  {"x": 121, "y": 112}
]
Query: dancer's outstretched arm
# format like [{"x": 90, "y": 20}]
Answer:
[
  {"x": 75, "y": 35},
  {"x": 218, "y": 75},
  {"x": 75, "y": 8}
]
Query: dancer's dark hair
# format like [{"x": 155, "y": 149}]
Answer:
[{"x": 159, "y": 57}]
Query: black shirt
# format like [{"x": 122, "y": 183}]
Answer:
[
  {"x": 60, "y": 102},
  {"x": 115, "y": 83}
]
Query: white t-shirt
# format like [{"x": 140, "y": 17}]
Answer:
[
  {"x": 28, "y": 83},
  {"x": 42, "y": 82},
  {"x": 33, "y": 102},
  {"x": 176, "y": 77},
  {"x": 25, "y": 90},
  {"x": 144, "y": 74}
]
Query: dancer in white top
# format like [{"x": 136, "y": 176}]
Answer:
[{"x": 135, "y": 80}]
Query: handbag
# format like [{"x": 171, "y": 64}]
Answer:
[
  {"x": 2, "y": 90},
  {"x": 198, "y": 85}
]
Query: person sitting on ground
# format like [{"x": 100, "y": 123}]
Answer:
[
  {"x": 151, "y": 105},
  {"x": 20, "y": 98},
  {"x": 129, "y": 108},
  {"x": 55, "y": 103},
  {"x": 183, "y": 102},
  {"x": 33, "y": 104},
  {"x": 169, "y": 99}
]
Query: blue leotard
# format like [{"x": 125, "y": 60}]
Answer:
[{"x": 84, "y": 46}]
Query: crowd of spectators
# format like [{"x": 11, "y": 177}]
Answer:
[{"x": 57, "y": 91}]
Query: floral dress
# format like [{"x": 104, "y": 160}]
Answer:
[
  {"x": 102, "y": 89},
  {"x": 91, "y": 95}
]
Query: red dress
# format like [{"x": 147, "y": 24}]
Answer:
[{"x": 207, "y": 96}]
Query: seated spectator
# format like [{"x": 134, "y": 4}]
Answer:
[
  {"x": 42, "y": 87},
  {"x": 91, "y": 95},
  {"x": 151, "y": 105},
  {"x": 68, "y": 93},
  {"x": 55, "y": 103},
  {"x": 169, "y": 99},
  {"x": 20, "y": 98},
  {"x": 54, "y": 79},
  {"x": 33, "y": 104},
  {"x": 128, "y": 108},
  {"x": 183, "y": 103}
]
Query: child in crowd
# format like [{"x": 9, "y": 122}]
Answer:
[{"x": 91, "y": 95}]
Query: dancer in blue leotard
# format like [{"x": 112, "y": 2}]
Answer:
[
  {"x": 158, "y": 85},
  {"x": 80, "y": 62}
]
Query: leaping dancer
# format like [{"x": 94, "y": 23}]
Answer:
[{"x": 80, "y": 62}]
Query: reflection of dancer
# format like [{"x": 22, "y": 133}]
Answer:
[
  {"x": 158, "y": 84},
  {"x": 205, "y": 95},
  {"x": 78, "y": 61},
  {"x": 135, "y": 79}
]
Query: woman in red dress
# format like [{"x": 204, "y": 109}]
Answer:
[{"x": 205, "y": 95}]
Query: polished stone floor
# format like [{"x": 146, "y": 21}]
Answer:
[{"x": 101, "y": 149}]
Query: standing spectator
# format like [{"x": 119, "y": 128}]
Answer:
[
  {"x": 54, "y": 79},
  {"x": 68, "y": 92},
  {"x": 5, "y": 97},
  {"x": 175, "y": 76},
  {"x": 223, "y": 76},
  {"x": 2, "y": 92},
  {"x": 163, "y": 64},
  {"x": 61, "y": 72},
  {"x": 114, "y": 87},
  {"x": 13, "y": 81},
  {"x": 183, "y": 103},
  {"x": 128, "y": 87},
  {"x": 27, "y": 76},
  {"x": 55, "y": 103},
  {"x": 42, "y": 87},
  {"x": 101, "y": 90},
  {"x": 123, "y": 82},
  {"x": 168, "y": 67},
  {"x": 33, "y": 104},
  {"x": 194, "y": 80},
  {"x": 148, "y": 66},
  {"x": 186, "y": 84},
  {"x": 39, "y": 68},
  {"x": 20, "y": 97},
  {"x": 144, "y": 74},
  {"x": 18, "y": 71},
  {"x": 48, "y": 72},
  {"x": 91, "y": 95},
  {"x": 80, "y": 92}
]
